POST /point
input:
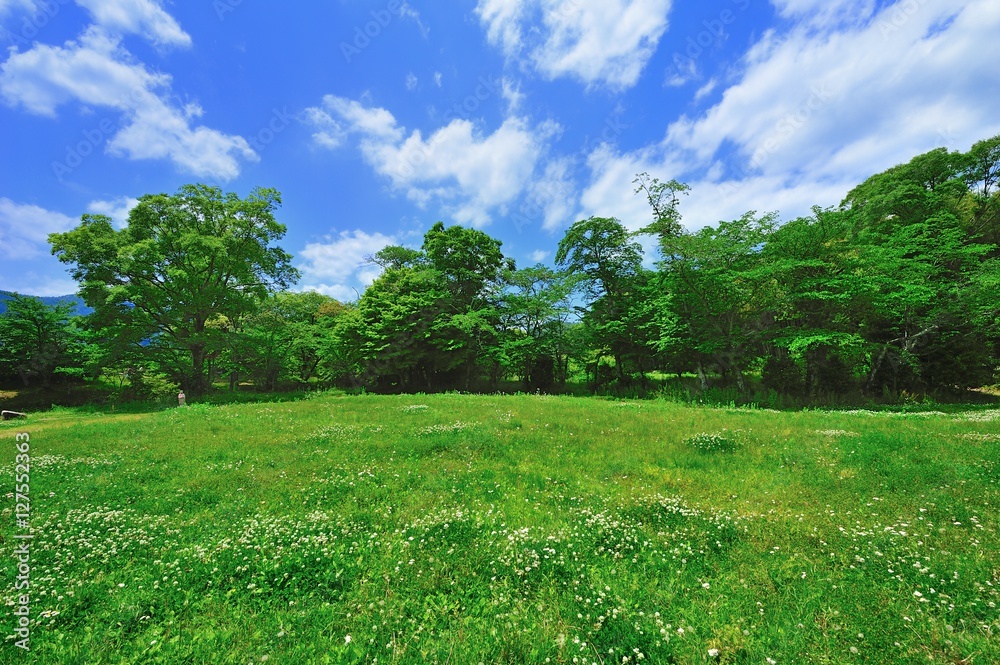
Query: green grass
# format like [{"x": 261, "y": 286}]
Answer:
[{"x": 518, "y": 529}]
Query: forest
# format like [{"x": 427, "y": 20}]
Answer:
[{"x": 892, "y": 293}]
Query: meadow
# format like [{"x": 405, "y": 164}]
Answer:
[{"x": 507, "y": 529}]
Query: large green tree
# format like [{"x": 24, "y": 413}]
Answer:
[
  {"x": 608, "y": 260},
  {"x": 180, "y": 262}
]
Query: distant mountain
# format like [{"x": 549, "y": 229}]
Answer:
[{"x": 81, "y": 309}]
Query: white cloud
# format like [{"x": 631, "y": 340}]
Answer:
[
  {"x": 337, "y": 266},
  {"x": 512, "y": 94},
  {"x": 117, "y": 209},
  {"x": 818, "y": 109},
  {"x": 539, "y": 255},
  {"x": 24, "y": 229},
  {"x": 818, "y": 12},
  {"x": 705, "y": 90},
  {"x": 12, "y": 5},
  {"x": 96, "y": 71},
  {"x": 42, "y": 285},
  {"x": 337, "y": 111},
  {"x": 142, "y": 17},
  {"x": 471, "y": 174},
  {"x": 408, "y": 12},
  {"x": 554, "y": 195},
  {"x": 599, "y": 42},
  {"x": 437, "y": 79},
  {"x": 411, "y": 81}
]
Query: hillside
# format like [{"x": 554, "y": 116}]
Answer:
[{"x": 81, "y": 308}]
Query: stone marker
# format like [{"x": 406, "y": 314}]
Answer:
[
  {"x": 13, "y": 415},
  {"x": 181, "y": 399}
]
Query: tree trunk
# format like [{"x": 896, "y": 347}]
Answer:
[
  {"x": 702, "y": 379},
  {"x": 199, "y": 384}
]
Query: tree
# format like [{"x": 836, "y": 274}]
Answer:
[
  {"x": 285, "y": 340},
  {"x": 716, "y": 294},
  {"x": 35, "y": 338},
  {"x": 609, "y": 261},
  {"x": 982, "y": 175},
  {"x": 663, "y": 199},
  {"x": 181, "y": 261},
  {"x": 534, "y": 319}
]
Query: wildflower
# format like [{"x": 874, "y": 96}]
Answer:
[
  {"x": 713, "y": 653},
  {"x": 347, "y": 639}
]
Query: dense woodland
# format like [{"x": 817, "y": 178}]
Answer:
[{"x": 893, "y": 292}]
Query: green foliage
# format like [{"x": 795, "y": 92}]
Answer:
[
  {"x": 38, "y": 340},
  {"x": 890, "y": 293},
  {"x": 181, "y": 261},
  {"x": 535, "y": 316}
]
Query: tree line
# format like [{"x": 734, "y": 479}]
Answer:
[{"x": 893, "y": 290}]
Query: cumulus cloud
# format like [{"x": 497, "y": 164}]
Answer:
[
  {"x": 336, "y": 266},
  {"x": 39, "y": 284},
  {"x": 117, "y": 209},
  {"x": 95, "y": 70},
  {"x": 142, "y": 17},
  {"x": 821, "y": 106},
  {"x": 470, "y": 173},
  {"x": 25, "y": 228},
  {"x": 598, "y": 42}
]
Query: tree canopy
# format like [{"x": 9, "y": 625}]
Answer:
[
  {"x": 891, "y": 292},
  {"x": 181, "y": 261}
]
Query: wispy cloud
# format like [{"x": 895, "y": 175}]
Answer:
[{"x": 598, "y": 42}]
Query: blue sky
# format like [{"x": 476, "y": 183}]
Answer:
[{"x": 376, "y": 119}]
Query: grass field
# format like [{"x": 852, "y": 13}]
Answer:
[{"x": 518, "y": 529}]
